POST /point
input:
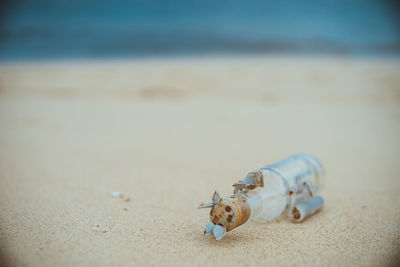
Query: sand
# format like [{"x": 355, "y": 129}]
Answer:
[{"x": 167, "y": 133}]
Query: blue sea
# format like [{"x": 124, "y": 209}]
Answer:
[{"x": 43, "y": 29}]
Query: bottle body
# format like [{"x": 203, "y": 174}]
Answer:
[{"x": 285, "y": 184}]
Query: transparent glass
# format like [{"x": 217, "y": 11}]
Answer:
[{"x": 286, "y": 183}]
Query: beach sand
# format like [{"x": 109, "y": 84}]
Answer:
[{"x": 167, "y": 133}]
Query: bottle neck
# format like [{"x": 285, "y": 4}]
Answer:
[
  {"x": 265, "y": 204},
  {"x": 254, "y": 204}
]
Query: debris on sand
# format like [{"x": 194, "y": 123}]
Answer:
[
  {"x": 98, "y": 228},
  {"x": 121, "y": 196},
  {"x": 116, "y": 194}
]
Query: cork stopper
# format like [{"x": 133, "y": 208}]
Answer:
[{"x": 230, "y": 213}]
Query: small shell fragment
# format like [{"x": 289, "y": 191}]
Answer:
[
  {"x": 253, "y": 180},
  {"x": 216, "y": 198},
  {"x": 218, "y": 232},
  {"x": 116, "y": 194},
  {"x": 208, "y": 205},
  {"x": 209, "y": 229}
]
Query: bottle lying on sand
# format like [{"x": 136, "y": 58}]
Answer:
[{"x": 264, "y": 194}]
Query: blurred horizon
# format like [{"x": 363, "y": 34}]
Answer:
[{"x": 45, "y": 29}]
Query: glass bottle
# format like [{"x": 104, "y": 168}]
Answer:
[{"x": 265, "y": 193}]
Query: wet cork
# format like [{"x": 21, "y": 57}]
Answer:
[{"x": 230, "y": 213}]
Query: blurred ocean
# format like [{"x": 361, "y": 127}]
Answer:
[{"x": 31, "y": 29}]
